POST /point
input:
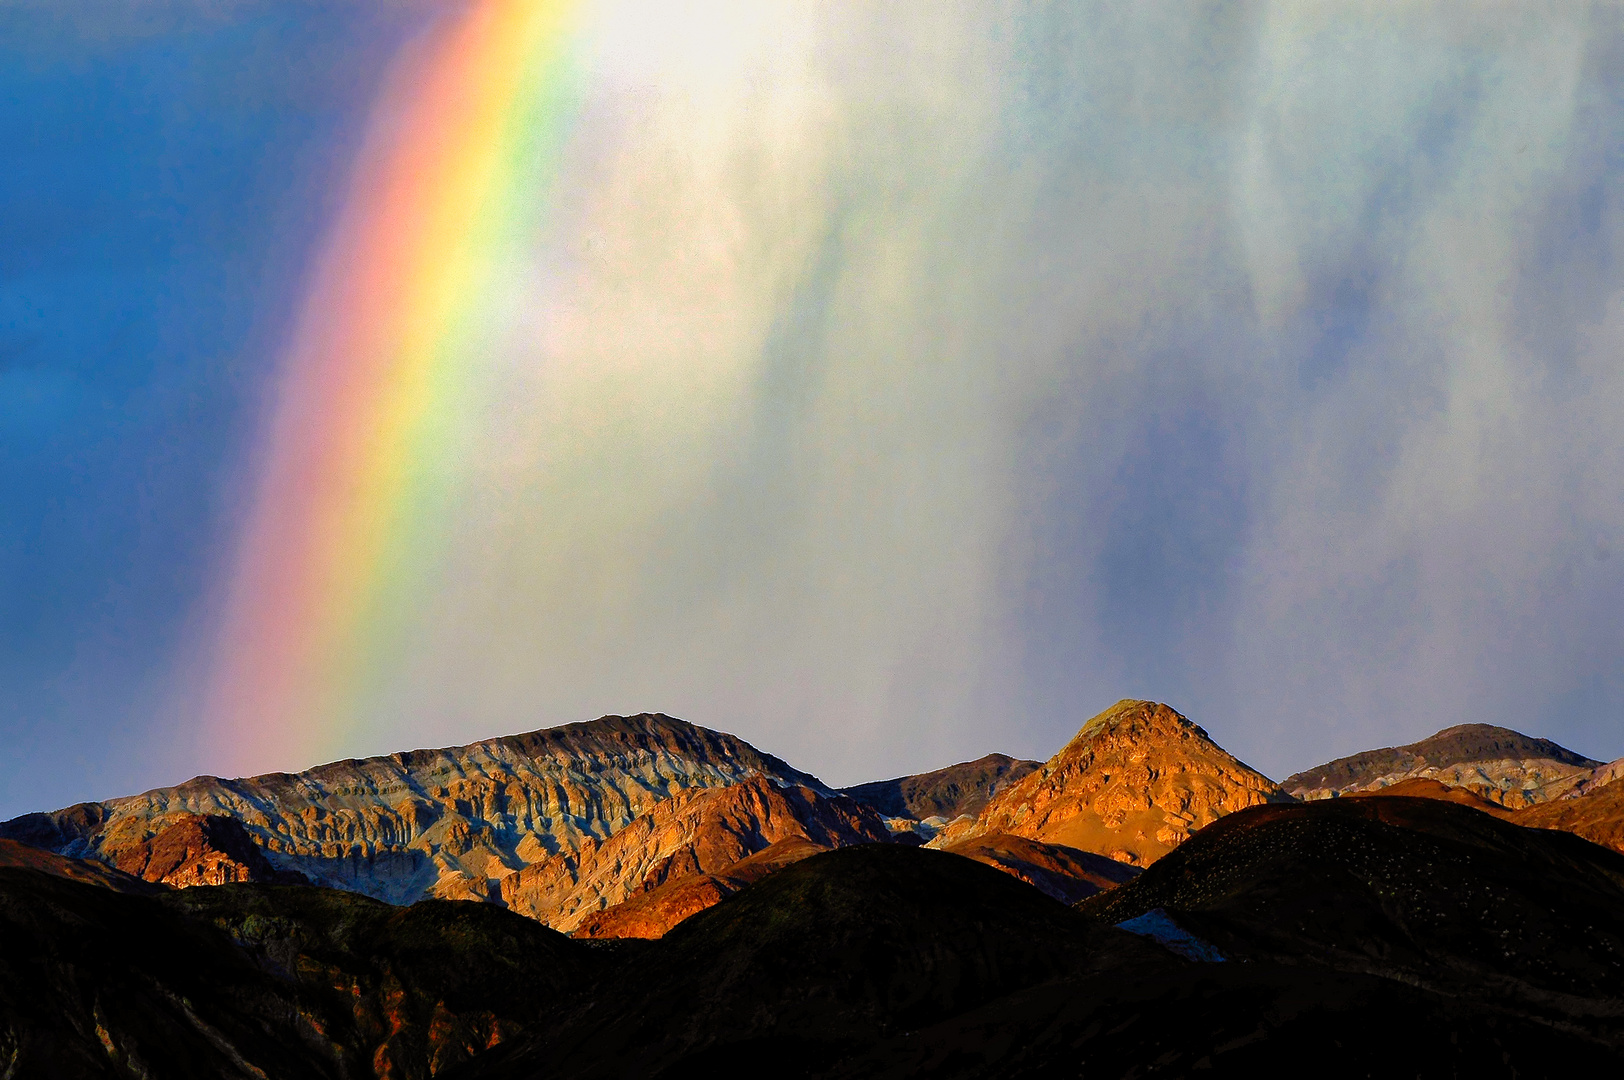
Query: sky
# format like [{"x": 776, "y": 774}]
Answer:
[{"x": 887, "y": 384}]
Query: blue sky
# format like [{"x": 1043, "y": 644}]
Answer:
[{"x": 166, "y": 173}]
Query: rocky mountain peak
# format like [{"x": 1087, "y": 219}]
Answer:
[{"x": 1134, "y": 783}]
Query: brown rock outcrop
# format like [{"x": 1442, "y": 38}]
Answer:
[
  {"x": 1597, "y": 815},
  {"x": 449, "y": 823},
  {"x": 651, "y": 914},
  {"x": 1133, "y": 784},
  {"x": 1421, "y": 788},
  {"x": 1496, "y": 764},
  {"x": 19, "y": 856},
  {"x": 1065, "y": 873},
  {"x": 693, "y": 833},
  {"x": 1599, "y": 777},
  {"x": 192, "y": 849}
]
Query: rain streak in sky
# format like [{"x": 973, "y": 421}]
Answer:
[{"x": 888, "y": 384}]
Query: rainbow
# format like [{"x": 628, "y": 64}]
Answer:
[{"x": 454, "y": 172}]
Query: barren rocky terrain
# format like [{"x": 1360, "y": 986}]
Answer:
[
  {"x": 450, "y": 823},
  {"x": 729, "y": 911},
  {"x": 1134, "y": 784},
  {"x": 698, "y": 832}
]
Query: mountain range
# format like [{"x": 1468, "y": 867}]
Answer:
[
  {"x": 723, "y": 907},
  {"x": 448, "y": 823}
]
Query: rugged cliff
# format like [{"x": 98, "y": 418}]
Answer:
[
  {"x": 693, "y": 833},
  {"x": 652, "y": 914}
]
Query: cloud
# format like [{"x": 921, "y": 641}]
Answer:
[{"x": 895, "y": 386}]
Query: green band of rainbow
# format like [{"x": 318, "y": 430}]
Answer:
[{"x": 453, "y": 174}]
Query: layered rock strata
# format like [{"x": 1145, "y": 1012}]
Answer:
[
  {"x": 1597, "y": 815},
  {"x": 1496, "y": 764},
  {"x": 652, "y": 914},
  {"x": 449, "y": 823},
  {"x": 196, "y": 850},
  {"x": 694, "y": 833},
  {"x": 1599, "y": 777},
  {"x": 1133, "y": 784}
]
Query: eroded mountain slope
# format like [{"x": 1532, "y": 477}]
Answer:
[
  {"x": 701, "y": 832},
  {"x": 1597, "y": 815},
  {"x": 450, "y": 823},
  {"x": 1133, "y": 784}
]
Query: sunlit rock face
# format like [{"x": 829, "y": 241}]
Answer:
[
  {"x": 1594, "y": 810},
  {"x": 1064, "y": 873},
  {"x": 15, "y": 855},
  {"x": 448, "y": 823},
  {"x": 192, "y": 849},
  {"x": 1504, "y": 767},
  {"x": 1133, "y": 784},
  {"x": 693, "y": 834},
  {"x": 651, "y": 914},
  {"x": 1599, "y": 777}
]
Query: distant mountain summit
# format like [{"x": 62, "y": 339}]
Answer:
[
  {"x": 449, "y": 823},
  {"x": 1133, "y": 784},
  {"x": 945, "y": 793},
  {"x": 1498, "y": 764}
]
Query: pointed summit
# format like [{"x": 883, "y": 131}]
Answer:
[{"x": 1136, "y": 781}]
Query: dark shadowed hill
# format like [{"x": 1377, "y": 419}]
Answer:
[
  {"x": 1494, "y": 763},
  {"x": 1526, "y": 922},
  {"x": 873, "y": 962},
  {"x": 816, "y": 961},
  {"x": 262, "y": 981},
  {"x": 1365, "y": 937},
  {"x": 945, "y": 793}
]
